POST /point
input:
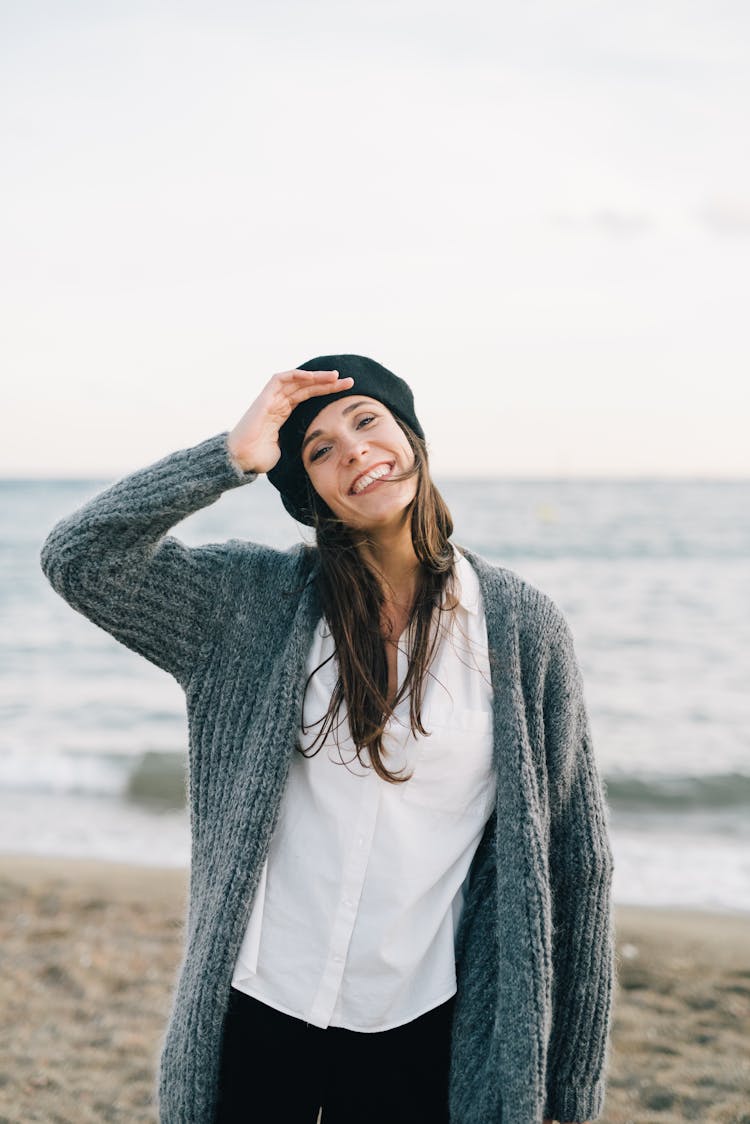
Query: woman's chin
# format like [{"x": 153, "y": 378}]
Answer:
[{"x": 376, "y": 517}]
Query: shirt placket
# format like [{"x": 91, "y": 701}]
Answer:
[
  {"x": 352, "y": 881},
  {"x": 353, "y": 877}
]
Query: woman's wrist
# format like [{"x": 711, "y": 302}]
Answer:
[{"x": 237, "y": 460}]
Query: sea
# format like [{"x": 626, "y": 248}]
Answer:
[{"x": 653, "y": 576}]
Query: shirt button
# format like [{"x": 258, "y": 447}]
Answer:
[
  {"x": 360, "y": 841},
  {"x": 348, "y": 901},
  {"x": 338, "y": 957}
]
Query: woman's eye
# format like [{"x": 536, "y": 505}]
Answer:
[{"x": 319, "y": 452}]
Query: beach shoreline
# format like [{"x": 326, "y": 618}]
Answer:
[{"x": 92, "y": 948}]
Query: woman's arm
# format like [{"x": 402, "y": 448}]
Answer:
[
  {"x": 112, "y": 560},
  {"x": 581, "y": 866}
]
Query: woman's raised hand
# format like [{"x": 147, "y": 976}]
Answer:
[{"x": 254, "y": 441}]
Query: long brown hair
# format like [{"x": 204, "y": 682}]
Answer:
[{"x": 352, "y": 603}]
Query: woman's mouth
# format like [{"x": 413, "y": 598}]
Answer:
[{"x": 369, "y": 480}]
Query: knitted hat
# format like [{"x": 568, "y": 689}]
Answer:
[{"x": 288, "y": 475}]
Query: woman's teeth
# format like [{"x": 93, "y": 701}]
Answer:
[{"x": 365, "y": 481}]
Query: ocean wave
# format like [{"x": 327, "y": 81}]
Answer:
[
  {"x": 159, "y": 777},
  {"x": 711, "y": 791}
]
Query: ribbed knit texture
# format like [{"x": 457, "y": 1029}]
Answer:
[{"x": 233, "y": 622}]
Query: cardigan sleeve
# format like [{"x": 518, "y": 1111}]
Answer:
[
  {"x": 113, "y": 562},
  {"x": 581, "y": 867}
]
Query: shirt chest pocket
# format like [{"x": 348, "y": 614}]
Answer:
[{"x": 452, "y": 769}]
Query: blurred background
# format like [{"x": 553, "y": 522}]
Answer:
[{"x": 538, "y": 214}]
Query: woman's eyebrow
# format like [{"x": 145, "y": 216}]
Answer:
[{"x": 317, "y": 432}]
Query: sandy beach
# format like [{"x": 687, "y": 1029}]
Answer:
[{"x": 90, "y": 953}]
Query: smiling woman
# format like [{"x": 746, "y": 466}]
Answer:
[
  {"x": 382, "y": 529},
  {"x": 400, "y": 868}
]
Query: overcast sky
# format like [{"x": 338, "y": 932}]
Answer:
[{"x": 537, "y": 213}]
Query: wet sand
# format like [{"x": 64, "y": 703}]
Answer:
[{"x": 90, "y": 953}]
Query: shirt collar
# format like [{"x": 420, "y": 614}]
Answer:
[{"x": 467, "y": 586}]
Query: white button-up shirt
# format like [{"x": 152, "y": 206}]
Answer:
[{"x": 355, "y": 915}]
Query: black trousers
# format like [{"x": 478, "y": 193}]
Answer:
[{"x": 280, "y": 1069}]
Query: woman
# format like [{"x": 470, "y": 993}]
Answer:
[{"x": 400, "y": 863}]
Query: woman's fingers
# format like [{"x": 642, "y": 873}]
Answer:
[
  {"x": 285, "y": 391},
  {"x": 312, "y": 383}
]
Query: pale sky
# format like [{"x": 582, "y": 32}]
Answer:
[{"x": 537, "y": 213}]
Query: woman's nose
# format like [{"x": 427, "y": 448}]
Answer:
[{"x": 355, "y": 448}]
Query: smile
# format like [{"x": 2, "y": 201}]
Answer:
[{"x": 368, "y": 480}]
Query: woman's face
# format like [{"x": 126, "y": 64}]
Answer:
[{"x": 346, "y": 442}]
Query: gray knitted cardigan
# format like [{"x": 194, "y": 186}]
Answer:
[{"x": 232, "y": 622}]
